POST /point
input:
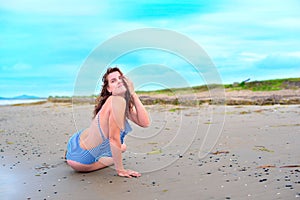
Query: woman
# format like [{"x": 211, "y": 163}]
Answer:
[{"x": 101, "y": 144}]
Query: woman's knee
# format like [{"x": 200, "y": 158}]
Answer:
[{"x": 78, "y": 166}]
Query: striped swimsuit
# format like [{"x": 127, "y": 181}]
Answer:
[{"x": 76, "y": 153}]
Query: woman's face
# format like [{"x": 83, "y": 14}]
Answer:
[{"x": 116, "y": 84}]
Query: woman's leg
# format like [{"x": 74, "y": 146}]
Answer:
[{"x": 102, "y": 163}]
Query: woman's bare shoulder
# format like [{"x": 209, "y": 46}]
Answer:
[
  {"x": 115, "y": 102},
  {"x": 117, "y": 110}
]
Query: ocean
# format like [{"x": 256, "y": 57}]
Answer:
[{"x": 4, "y": 102}]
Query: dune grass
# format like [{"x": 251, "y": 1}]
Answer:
[{"x": 267, "y": 85}]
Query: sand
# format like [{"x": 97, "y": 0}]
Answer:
[{"x": 205, "y": 152}]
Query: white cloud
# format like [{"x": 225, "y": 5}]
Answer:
[
  {"x": 285, "y": 23},
  {"x": 293, "y": 54},
  {"x": 18, "y": 67},
  {"x": 280, "y": 62},
  {"x": 251, "y": 56},
  {"x": 55, "y": 7}
]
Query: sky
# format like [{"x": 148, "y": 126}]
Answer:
[{"x": 45, "y": 44}]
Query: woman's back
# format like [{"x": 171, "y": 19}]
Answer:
[{"x": 91, "y": 137}]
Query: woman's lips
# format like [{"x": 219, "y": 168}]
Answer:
[{"x": 121, "y": 85}]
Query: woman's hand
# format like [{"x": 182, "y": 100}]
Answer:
[
  {"x": 123, "y": 147},
  {"x": 128, "y": 173},
  {"x": 129, "y": 84}
]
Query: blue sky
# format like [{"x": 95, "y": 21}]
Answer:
[{"x": 43, "y": 44}]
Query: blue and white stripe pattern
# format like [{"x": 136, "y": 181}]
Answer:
[{"x": 76, "y": 153}]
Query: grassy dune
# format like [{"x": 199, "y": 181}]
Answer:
[
  {"x": 168, "y": 96},
  {"x": 267, "y": 85}
]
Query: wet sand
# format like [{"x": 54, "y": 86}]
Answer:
[{"x": 205, "y": 152}]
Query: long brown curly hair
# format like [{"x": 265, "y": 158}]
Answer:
[{"x": 103, "y": 96}]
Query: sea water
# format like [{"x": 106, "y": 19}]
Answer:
[{"x": 4, "y": 102}]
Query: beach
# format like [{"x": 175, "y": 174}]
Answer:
[{"x": 188, "y": 152}]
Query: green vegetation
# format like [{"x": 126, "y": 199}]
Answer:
[
  {"x": 181, "y": 91},
  {"x": 171, "y": 95},
  {"x": 175, "y": 109},
  {"x": 30, "y": 104},
  {"x": 268, "y": 85}
]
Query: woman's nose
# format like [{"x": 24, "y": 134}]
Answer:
[{"x": 120, "y": 80}]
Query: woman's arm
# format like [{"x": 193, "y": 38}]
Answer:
[
  {"x": 116, "y": 123},
  {"x": 138, "y": 114}
]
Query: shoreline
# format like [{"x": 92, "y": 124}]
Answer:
[{"x": 227, "y": 97}]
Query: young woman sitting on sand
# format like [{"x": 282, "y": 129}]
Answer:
[{"x": 102, "y": 144}]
